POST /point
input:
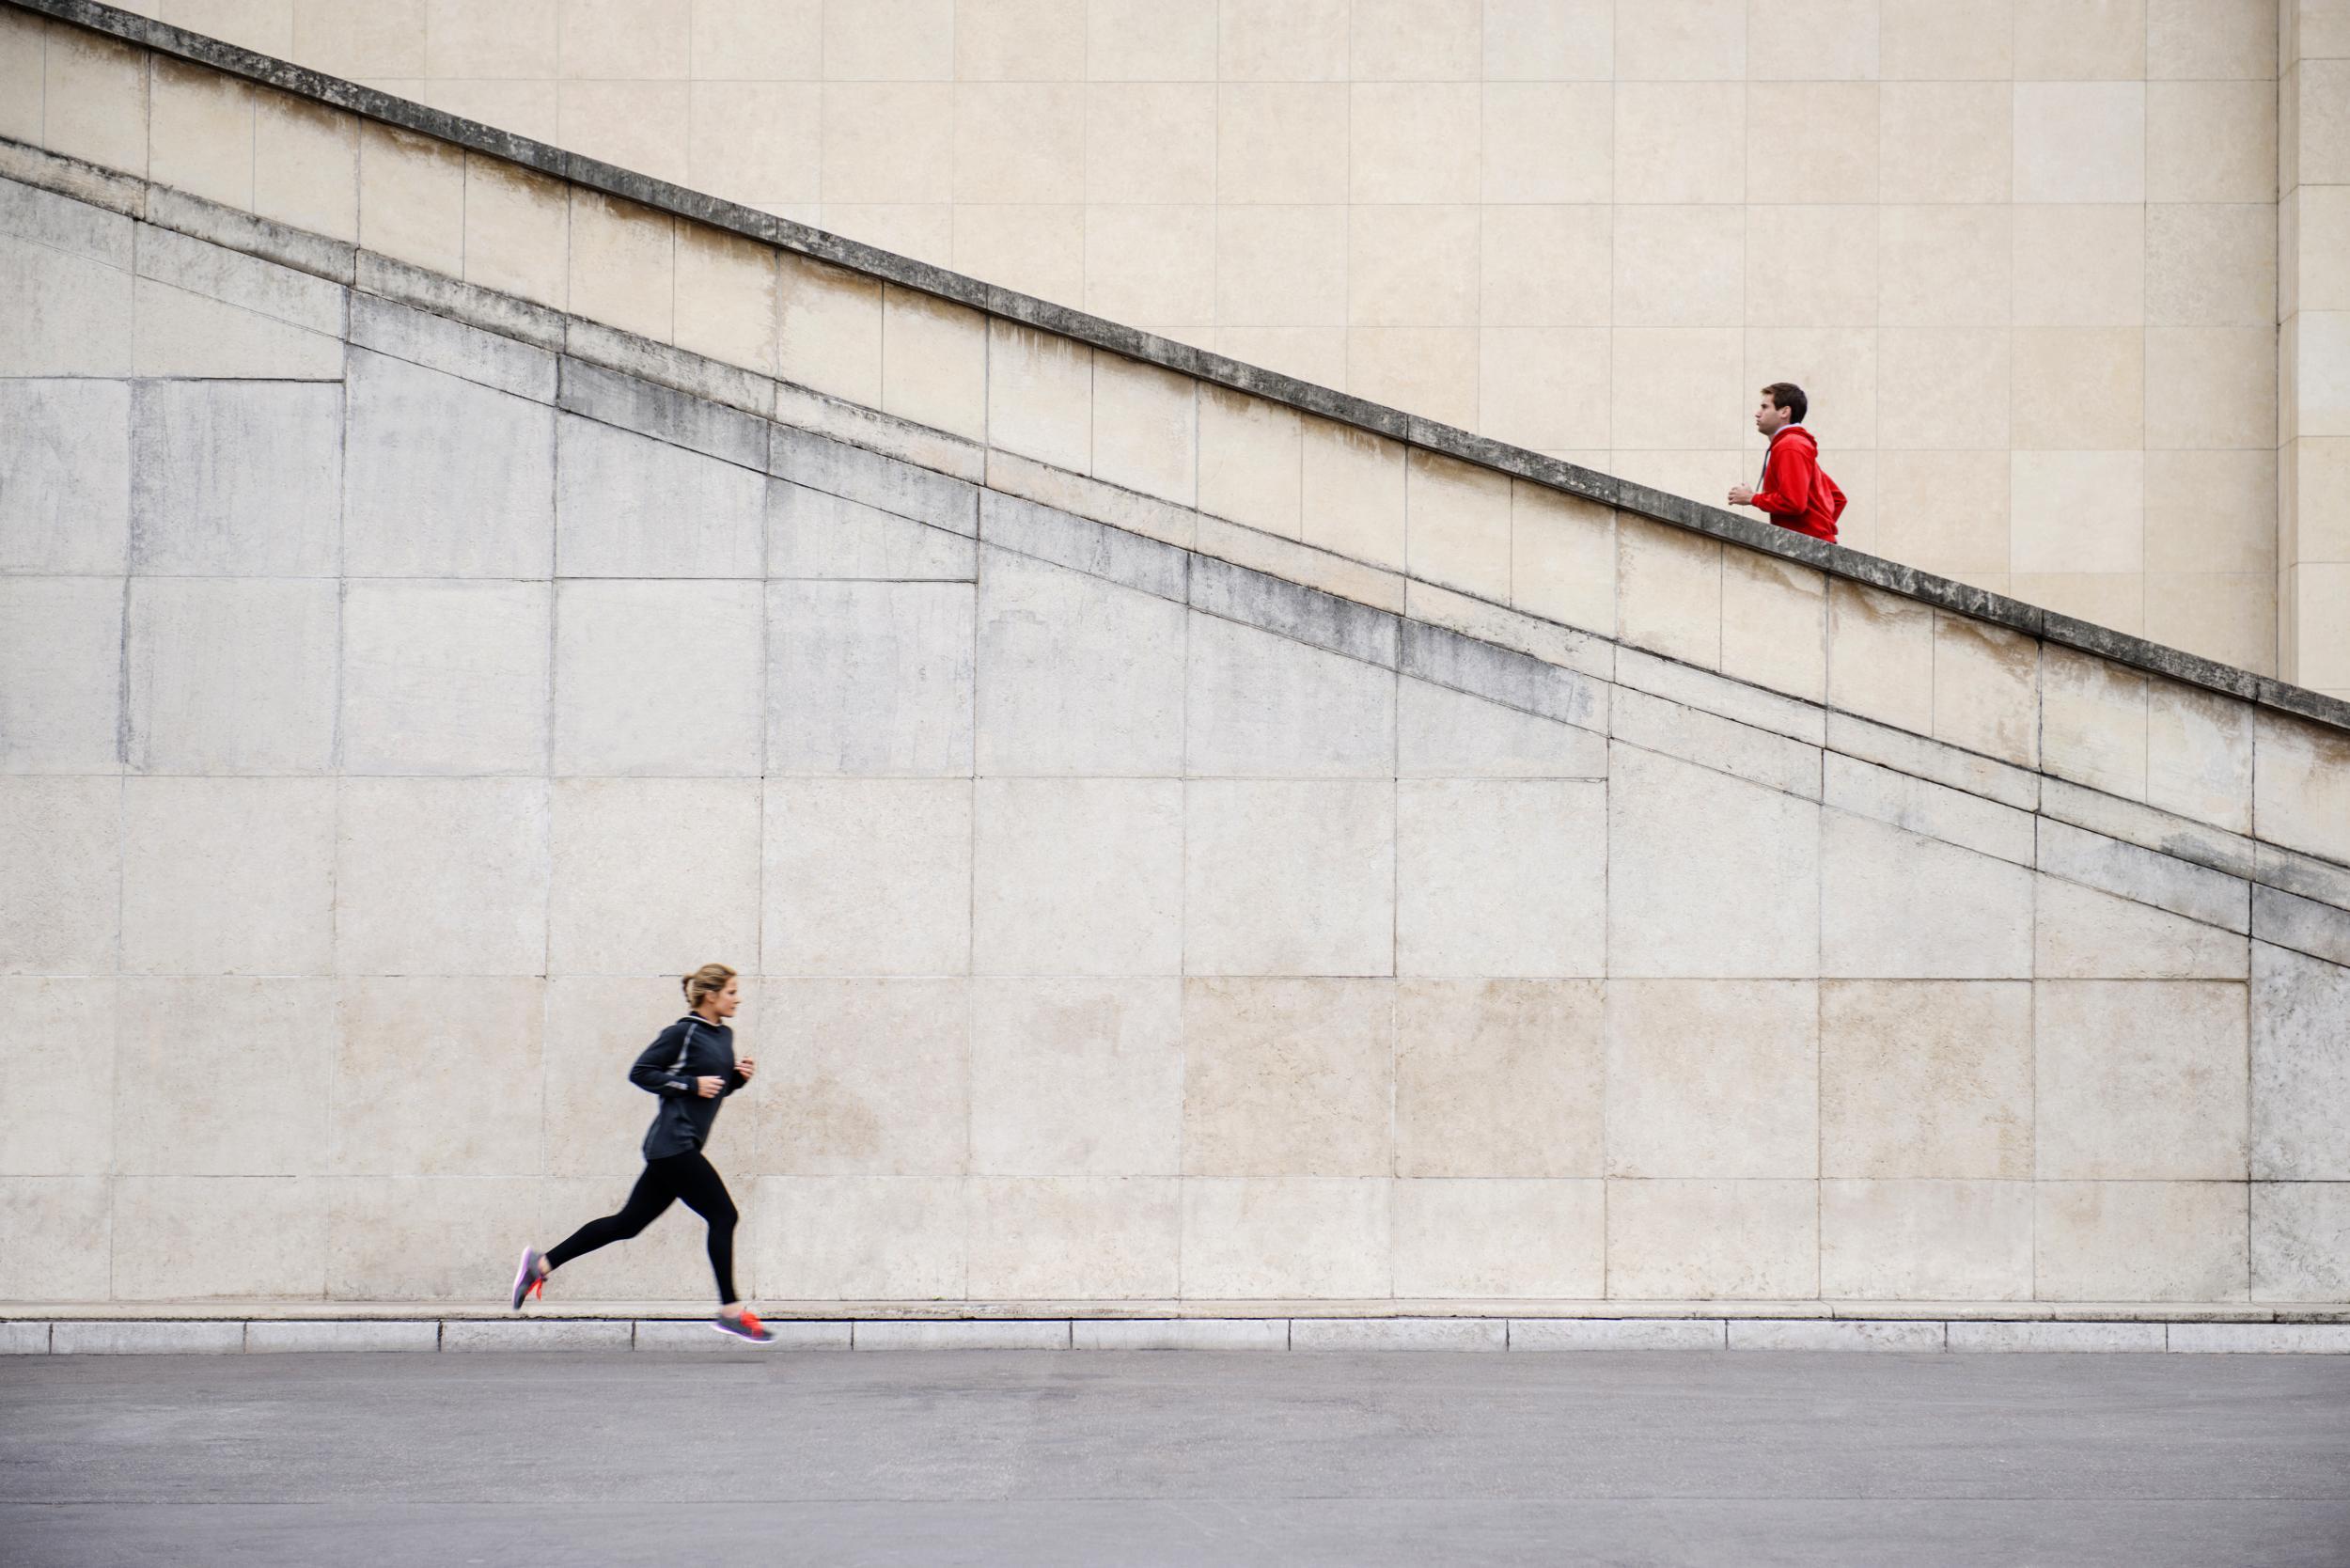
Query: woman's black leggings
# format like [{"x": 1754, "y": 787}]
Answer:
[{"x": 686, "y": 1176}]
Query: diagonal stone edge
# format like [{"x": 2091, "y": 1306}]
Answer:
[{"x": 1891, "y": 577}]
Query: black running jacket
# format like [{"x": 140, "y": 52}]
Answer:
[{"x": 693, "y": 1047}]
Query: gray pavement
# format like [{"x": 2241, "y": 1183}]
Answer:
[{"x": 1176, "y": 1458}]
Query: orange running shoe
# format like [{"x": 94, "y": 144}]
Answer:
[{"x": 745, "y": 1326}]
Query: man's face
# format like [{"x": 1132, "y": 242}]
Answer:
[{"x": 1769, "y": 417}]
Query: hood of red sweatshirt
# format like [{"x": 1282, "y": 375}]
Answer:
[{"x": 1790, "y": 432}]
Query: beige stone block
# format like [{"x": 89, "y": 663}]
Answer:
[
  {"x": 191, "y": 1238},
  {"x": 2232, "y": 618},
  {"x": 1145, "y": 425},
  {"x": 1712, "y": 1079},
  {"x": 1277, "y": 142},
  {"x": 1562, "y": 557},
  {"x": 1680, "y": 141},
  {"x": 2077, "y": 512},
  {"x": 625, "y": 901},
  {"x": 24, "y": 40},
  {"x": 1019, "y": 141},
  {"x": 2209, "y": 264},
  {"x": 1158, "y": 143},
  {"x": 1925, "y": 1080},
  {"x": 1151, "y": 264},
  {"x": 1498, "y": 1078},
  {"x": 60, "y": 875},
  {"x": 858, "y": 1238},
  {"x": 1895, "y": 905},
  {"x": 1676, "y": 266},
  {"x": 1275, "y": 40},
  {"x": 517, "y": 230},
  {"x": 2081, "y": 933},
  {"x": 2093, "y": 725},
  {"x": 1260, "y": 705},
  {"x": 1944, "y": 389},
  {"x": 829, "y": 330},
  {"x": 412, "y": 198},
  {"x": 1041, "y": 396},
  {"x": 2211, "y": 141},
  {"x": 645, "y": 127},
  {"x": 1413, "y": 141},
  {"x": 55, "y": 1126},
  {"x": 382, "y": 40},
  {"x": 1286, "y": 1238},
  {"x": 60, "y": 1242},
  {"x": 1547, "y": 142},
  {"x": 2105, "y": 41},
  {"x": 2301, "y": 786},
  {"x": 1702, "y": 40},
  {"x": 935, "y": 362},
  {"x": 1946, "y": 40},
  {"x": 1077, "y": 676},
  {"x": 1709, "y": 1240},
  {"x": 229, "y": 876},
  {"x": 1430, "y": 371},
  {"x": 1070, "y": 1238},
  {"x": 1669, "y": 590},
  {"x": 1545, "y": 40},
  {"x": 1078, "y": 1078},
  {"x": 2114, "y": 600},
  {"x": 2211, "y": 512},
  {"x": 1412, "y": 266},
  {"x": 1545, "y": 266},
  {"x": 1880, "y": 656},
  {"x": 1709, "y": 875},
  {"x": 1282, "y": 266},
  {"x": 1415, "y": 41},
  {"x": 2140, "y": 1241},
  {"x": 759, "y": 142},
  {"x": 867, "y": 1077},
  {"x": 406, "y": 1048},
  {"x": 2079, "y": 388},
  {"x": 1449, "y": 734},
  {"x": 2053, "y": 288},
  {"x": 1352, "y": 492},
  {"x": 1945, "y": 141},
  {"x": 1499, "y": 877},
  {"x": 200, "y": 132},
  {"x": 1459, "y": 525},
  {"x": 219, "y": 1077},
  {"x": 1078, "y": 876},
  {"x": 2237, "y": 369},
  {"x": 2199, "y": 754},
  {"x": 2314, "y": 226},
  {"x": 1986, "y": 689},
  {"x": 528, "y": 108},
  {"x": 594, "y": 1119},
  {"x": 404, "y": 1238},
  {"x": 94, "y": 98},
  {"x": 1945, "y": 511},
  {"x": 1495, "y": 1240},
  {"x": 2314, "y": 400},
  {"x": 623, "y": 265},
  {"x": 2141, "y": 1080},
  {"x": 1288, "y": 1077},
  {"x": 2300, "y": 1238},
  {"x": 726, "y": 298},
  {"x": 473, "y": 848},
  {"x": 1288, "y": 877},
  {"x": 889, "y": 142},
  {"x": 1835, "y": 160},
  {"x": 1946, "y": 265},
  {"x": 624, "y": 648},
  {"x": 1925, "y": 1241},
  {"x": 1251, "y": 461},
  {"x": 1775, "y": 623},
  {"x": 2080, "y": 141}
]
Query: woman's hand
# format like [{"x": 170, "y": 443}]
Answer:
[
  {"x": 709, "y": 1089},
  {"x": 747, "y": 1066}
]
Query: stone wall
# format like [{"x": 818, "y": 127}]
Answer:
[
  {"x": 1997, "y": 240},
  {"x": 1184, "y": 848}
]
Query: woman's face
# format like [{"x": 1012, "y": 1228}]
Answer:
[{"x": 726, "y": 1001}]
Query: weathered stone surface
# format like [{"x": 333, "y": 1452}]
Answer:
[
  {"x": 1495, "y": 1239},
  {"x": 20, "y": 1336},
  {"x": 813, "y": 533},
  {"x": 60, "y": 875},
  {"x": 994, "y": 1334},
  {"x": 2066, "y": 1336},
  {"x": 1074, "y": 1237},
  {"x": 1502, "y": 877},
  {"x": 53, "y": 1128},
  {"x": 405, "y": 1048},
  {"x": 675, "y": 418},
  {"x": 1078, "y": 876},
  {"x": 445, "y": 677},
  {"x": 60, "y": 673},
  {"x": 2300, "y": 1241},
  {"x": 445, "y": 477},
  {"x": 629, "y": 506},
  {"x": 1931, "y": 810},
  {"x": 2141, "y": 1080},
  {"x": 1708, "y": 875},
  {"x": 658, "y": 677},
  {"x": 1180, "y": 1334},
  {"x": 2239, "y": 1338},
  {"x": 65, "y": 477},
  {"x": 1924, "y": 1241},
  {"x": 232, "y": 675},
  {"x": 700, "y": 1335},
  {"x": 857, "y": 1238},
  {"x": 229, "y": 876},
  {"x": 510, "y": 1334},
  {"x": 1986, "y": 689},
  {"x": 1931, "y": 760},
  {"x": 187, "y": 1238},
  {"x": 2146, "y": 876},
  {"x": 2301, "y": 786},
  {"x": 1288, "y": 1077},
  {"x": 230, "y": 480},
  {"x": 1075, "y": 675},
  {"x": 1925, "y": 1080},
  {"x": 438, "y": 343},
  {"x": 2300, "y": 1067},
  {"x": 475, "y": 851},
  {"x": 870, "y": 677},
  {"x": 1893, "y": 904},
  {"x": 1074, "y": 1077},
  {"x": 2318, "y": 929},
  {"x": 865, "y": 876},
  {"x": 1693, "y": 1240},
  {"x": 1119, "y": 555},
  {"x": 1673, "y": 730},
  {"x": 2081, "y": 933},
  {"x": 420, "y": 1238},
  {"x": 1449, "y": 734},
  {"x": 1285, "y": 1238},
  {"x": 1712, "y": 1079},
  {"x": 1288, "y": 878},
  {"x": 1359, "y": 1333},
  {"x": 2140, "y": 1241},
  {"x": 1833, "y": 1334},
  {"x": 195, "y": 1337},
  {"x": 59, "y": 1238},
  {"x": 1498, "y": 1078},
  {"x": 1502, "y": 675},
  {"x": 1260, "y": 705},
  {"x": 1617, "y": 1334},
  {"x": 236, "y": 278},
  {"x": 345, "y": 1336},
  {"x": 659, "y": 874},
  {"x": 61, "y": 314},
  {"x": 865, "y": 1079}
]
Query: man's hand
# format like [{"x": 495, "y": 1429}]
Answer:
[
  {"x": 747, "y": 1066},
  {"x": 709, "y": 1089},
  {"x": 1741, "y": 496}
]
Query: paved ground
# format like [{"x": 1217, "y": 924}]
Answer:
[{"x": 1180, "y": 1458}]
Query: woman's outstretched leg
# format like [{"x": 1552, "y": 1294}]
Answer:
[
  {"x": 654, "y": 1191},
  {"x": 702, "y": 1190}
]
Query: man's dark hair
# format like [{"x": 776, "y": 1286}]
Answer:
[{"x": 1786, "y": 395}]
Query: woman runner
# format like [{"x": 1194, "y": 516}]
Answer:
[{"x": 691, "y": 1066}]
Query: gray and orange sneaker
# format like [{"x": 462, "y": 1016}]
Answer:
[
  {"x": 528, "y": 1279},
  {"x": 744, "y": 1325}
]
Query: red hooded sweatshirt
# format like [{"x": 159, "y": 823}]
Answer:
[{"x": 1793, "y": 491}]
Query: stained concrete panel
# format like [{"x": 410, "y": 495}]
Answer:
[
  {"x": 863, "y": 1077},
  {"x": 241, "y": 481},
  {"x": 653, "y": 875},
  {"x": 445, "y": 477},
  {"x": 1709, "y": 875},
  {"x": 1498, "y": 1078},
  {"x": 659, "y": 677},
  {"x": 867, "y": 876},
  {"x": 870, "y": 677},
  {"x": 232, "y": 675},
  {"x": 1075, "y": 675},
  {"x": 1288, "y": 877},
  {"x": 407, "y": 1047},
  {"x": 445, "y": 677},
  {"x": 473, "y": 851},
  {"x": 229, "y": 876},
  {"x": 1074, "y": 1077},
  {"x": 1078, "y": 876},
  {"x": 628, "y": 506},
  {"x": 2300, "y": 1067},
  {"x": 2141, "y": 1080},
  {"x": 1288, "y": 1077},
  {"x": 60, "y": 674},
  {"x": 1501, "y": 878},
  {"x": 1260, "y": 705},
  {"x": 223, "y": 1076},
  {"x": 1895, "y": 905},
  {"x": 65, "y": 477},
  {"x": 60, "y": 875}
]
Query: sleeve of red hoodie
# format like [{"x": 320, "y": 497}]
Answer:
[{"x": 1787, "y": 478}]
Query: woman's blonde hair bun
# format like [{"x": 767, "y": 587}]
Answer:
[{"x": 706, "y": 983}]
